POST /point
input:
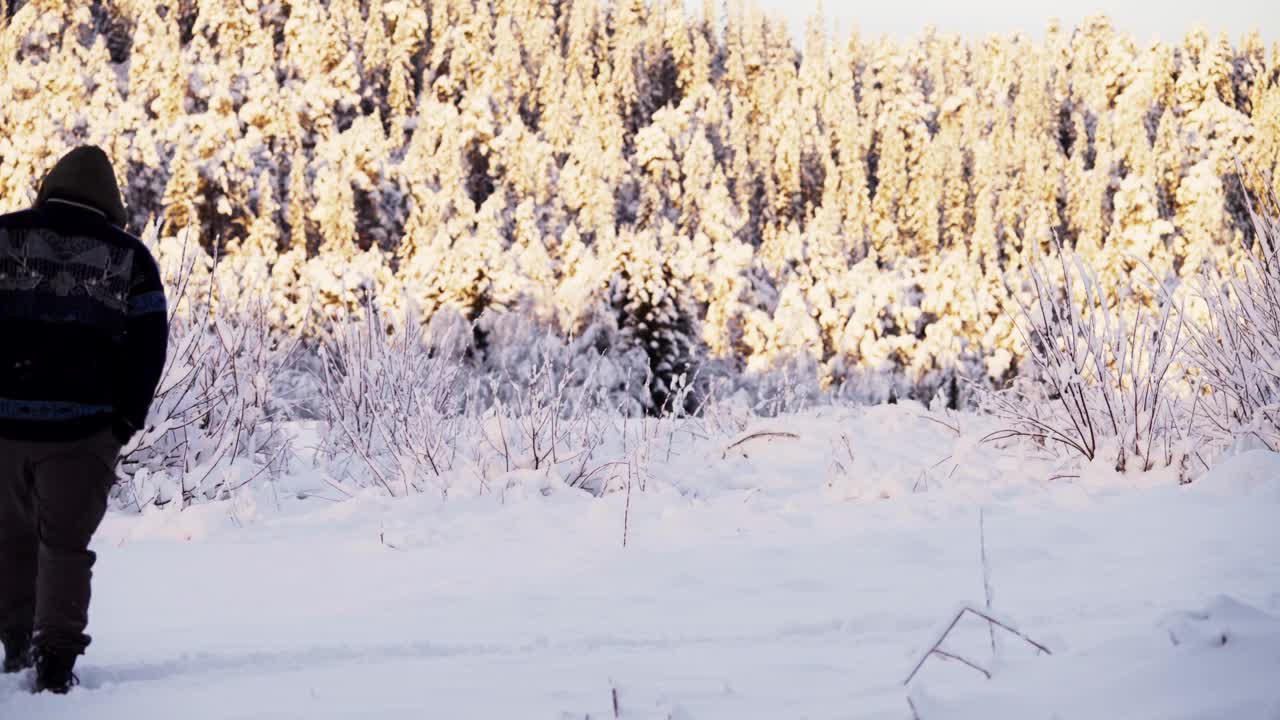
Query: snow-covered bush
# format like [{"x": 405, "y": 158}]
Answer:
[
  {"x": 1234, "y": 347},
  {"x": 408, "y": 409},
  {"x": 1095, "y": 382},
  {"x": 216, "y": 423},
  {"x": 544, "y": 421},
  {"x": 547, "y": 404},
  {"x": 393, "y": 408},
  {"x": 516, "y": 353}
]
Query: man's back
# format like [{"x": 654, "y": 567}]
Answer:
[
  {"x": 69, "y": 285},
  {"x": 82, "y": 310},
  {"x": 83, "y": 335}
]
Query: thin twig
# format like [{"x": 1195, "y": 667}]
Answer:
[
  {"x": 951, "y": 656},
  {"x": 936, "y": 648},
  {"x": 986, "y": 571},
  {"x": 755, "y": 435}
]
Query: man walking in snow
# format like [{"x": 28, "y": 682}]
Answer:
[{"x": 83, "y": 335}]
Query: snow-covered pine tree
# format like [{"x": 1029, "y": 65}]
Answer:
[{"x": 651, "y": 315}]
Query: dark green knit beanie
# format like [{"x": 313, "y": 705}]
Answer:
[{"x": 85, "y": 175}]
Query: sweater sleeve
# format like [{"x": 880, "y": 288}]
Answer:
[{"x": 146, "y": 342}]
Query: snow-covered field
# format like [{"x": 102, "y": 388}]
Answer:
[{"x": 783, "y": 578}]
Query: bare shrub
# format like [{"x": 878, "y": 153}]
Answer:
[
  {"x": 1234, "y": 347},
  {"x": 407, "y": 410},
  {"x": 546, "y": 403},
  {"x": 391, "y": 406},
  {"x": 214, "y": 425},
  {"x": 1095, "y": 383},
  {"x": 533, "y": 424}
]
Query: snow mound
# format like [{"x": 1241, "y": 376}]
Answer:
[
  {"x": 1219, "y": 662},
  {"x": 1224, "y": 622},
  {"x": 1255, "y": 473}
]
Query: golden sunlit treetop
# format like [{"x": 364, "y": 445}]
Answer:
[{"x": 863, "y": 203}]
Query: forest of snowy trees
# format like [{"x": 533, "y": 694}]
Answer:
[{"x": 690, "y": 189}]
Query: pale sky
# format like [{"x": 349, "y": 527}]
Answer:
[{"x": 1145, "y": 19}]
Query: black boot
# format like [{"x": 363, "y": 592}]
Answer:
[
  {"x": 53, "y": 671},
  {"x": 17, "y": 651}
]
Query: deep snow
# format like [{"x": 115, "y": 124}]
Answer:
[{"x": 787, "y": 578}]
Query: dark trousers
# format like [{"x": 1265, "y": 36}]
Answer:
[{"x": 52, "y": 499}]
